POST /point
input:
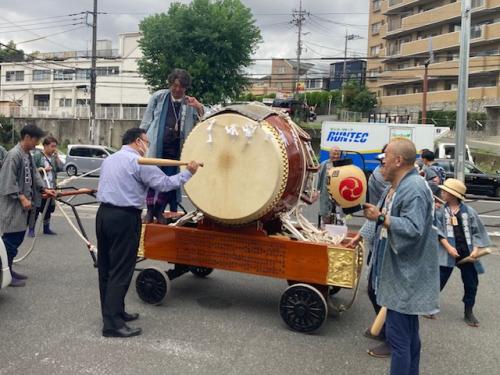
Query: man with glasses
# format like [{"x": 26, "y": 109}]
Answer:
[
  {"x": 123, "y": 184},
  {"x": 169, "y": 118}
]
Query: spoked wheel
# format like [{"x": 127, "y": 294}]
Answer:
[
  {"x": 303, "y": 308},
  {"x": 152, "y": 285},
  {"x": 201, "y": 271}
]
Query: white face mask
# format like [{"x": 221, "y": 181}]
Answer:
[{"x": 144, "y": 148}]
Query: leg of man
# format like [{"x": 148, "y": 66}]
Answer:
[
  {"x": 444, "y": 275},
  {"x": 400, "y": 332},
  {"x": 415, "y": 345},
  {"x": 103, "y": 264},
  {"x": 12, "y": 241},
  {"x": 48, "y": 214},
  {"x": 471, "y": 281},
  {"x": 121, "y": 230}
]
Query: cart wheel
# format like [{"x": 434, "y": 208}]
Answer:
[
  {"x": 201, "y": 271},
  {"x": 152, "y": 285},
  {"x": 303, "y": 308}
]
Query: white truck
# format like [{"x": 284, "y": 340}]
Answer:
[{"x": 364, "y": 141}]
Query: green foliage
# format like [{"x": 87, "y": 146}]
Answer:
[
  {"x": 11, "y": 54},
  {"x": 449, "y": 119},
  {"x": 212, "y": 40},
  {"x": 363, "y": 102},
  {"x": 358, "y": 99},
  {"x": 6, "y": 133}
]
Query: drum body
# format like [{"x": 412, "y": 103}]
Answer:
[{"x": 255, "y": 164}]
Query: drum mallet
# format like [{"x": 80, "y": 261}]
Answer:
[
  {"x": 164, "y": 162},
  {"x": 379, "y": 321}
]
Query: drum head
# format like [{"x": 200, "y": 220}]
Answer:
[{"x": 245, "y": 168}]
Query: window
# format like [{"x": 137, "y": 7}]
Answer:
[
  {"x": 63, "y": 102},
  {"x": 41, "y": 75},
  {"x": 98, "y": 153},
  {"x": 487, "y": 80},
  {"x": 107, "y": 71},
  {"x": 64, "y": 74},
  {"x": 83, "y": 74},
  {"x": 41, "y": 100},
  {"x": 16, "y": 75},
  {"x": 81, "y": 102},
  {"x": 376, "y": 28},
  {"x": 81, "y": 152},
  {"x": 376, "y": 5},
  {"x": 401, "y": 91},
  {"x": 374, "y": 51}
]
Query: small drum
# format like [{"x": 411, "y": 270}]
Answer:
[{"x": 256, "y": 163}]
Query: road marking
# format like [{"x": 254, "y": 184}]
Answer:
[
  {"x": 494, "y": 234},
  {"x": 490, "y": 216}
]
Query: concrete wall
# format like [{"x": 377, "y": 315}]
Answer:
[{"x": 109, "y": 132}]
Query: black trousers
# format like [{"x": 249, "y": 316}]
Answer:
[
  {"x": 118, "y": 232},
  {"x": 469, "y": 278}
]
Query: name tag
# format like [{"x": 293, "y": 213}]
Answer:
[{"x": 454, "y": 221}]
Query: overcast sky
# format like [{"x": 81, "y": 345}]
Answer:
[{"x": 324, "y": 29}]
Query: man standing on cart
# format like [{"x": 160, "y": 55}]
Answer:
[
  {"x": 405, "y": 271},
  {"x": 123, "y": 185}
]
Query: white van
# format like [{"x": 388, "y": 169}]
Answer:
[
  {"x": 447, "y": 151},
  {"x": 5, "y": 276}
]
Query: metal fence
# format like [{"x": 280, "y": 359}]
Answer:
[{"x": 102, "y": 113}]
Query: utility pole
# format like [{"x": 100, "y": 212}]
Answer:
[
  {"x": 425, "y": 89},
  {"x": 92, "y": 134},
  {"x": 344, "y": 70},
  {"x": 298, "y": 20},
  {"x": 463, "y": 86},
  {"x": 425, "y": 85}
]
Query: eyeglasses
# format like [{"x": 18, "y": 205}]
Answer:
[{"x": 144, "y": 141}]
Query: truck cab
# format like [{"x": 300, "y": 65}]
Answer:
[{"x": 447, "y": 151}]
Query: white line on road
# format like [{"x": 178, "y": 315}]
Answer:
[{"x": 490, "y": 216}]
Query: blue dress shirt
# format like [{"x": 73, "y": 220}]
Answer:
[{"x": 124, "y": 182}]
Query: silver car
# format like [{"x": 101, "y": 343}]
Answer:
[{"x": 86, "y": 158}]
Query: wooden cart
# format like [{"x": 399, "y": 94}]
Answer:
[{"x": 313, "y": 270}]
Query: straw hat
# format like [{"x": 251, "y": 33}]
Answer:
[{"x": 454, "y": 187}]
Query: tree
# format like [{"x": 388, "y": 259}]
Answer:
[
  {"x": 358, "y": 98},
  {"x": 8, "y": 136},
  {"x": 364, "y": 101},
  {"x": 11, "y": 53},
  {"x": 212, "y": 40}
]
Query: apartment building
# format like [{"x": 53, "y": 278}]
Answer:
[
  {"x": 401, "y": 35},
  {"x": 57, "y": 85}
]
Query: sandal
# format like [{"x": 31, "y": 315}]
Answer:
[{"x": 381, "y": 351}]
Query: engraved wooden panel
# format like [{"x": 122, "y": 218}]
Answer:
[{"x": 259, "y": 255}]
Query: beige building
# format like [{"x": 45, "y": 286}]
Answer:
[{"x": 401, "y": 34}]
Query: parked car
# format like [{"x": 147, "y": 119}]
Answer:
[
  {"x": 5, "y": 276},
  {"x": 86, "y": 158},
  {"x": 477, "y": 181},
  {"x": 295, "y": 108}
]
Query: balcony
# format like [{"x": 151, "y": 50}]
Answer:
[
  {"x": 480, "y": 35},
  {"x": 444, "y": 69},
  {"x": 448, "y": 96},
  {"x": 436, "y": 16}
]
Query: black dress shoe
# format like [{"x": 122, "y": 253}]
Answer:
[
  {"x": 124, "y": 331},
  {"x": 130, "y": 317}
]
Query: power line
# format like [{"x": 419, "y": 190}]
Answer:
[
  {"x": 55, "y": 23},
  {"x": 43, "y": 28},
  {"x": 46, "y": 36},
  {"x": 45, "y": 18}
]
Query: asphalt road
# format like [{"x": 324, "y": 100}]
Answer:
[{"x": 226, "y": 324}]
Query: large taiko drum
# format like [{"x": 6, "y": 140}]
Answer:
[{"x": 255, "y": 164}]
